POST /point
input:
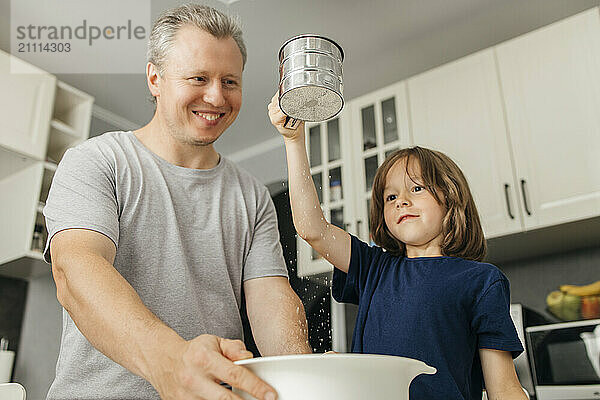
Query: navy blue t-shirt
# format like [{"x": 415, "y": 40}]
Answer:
[{"x": 440, "y": 310}]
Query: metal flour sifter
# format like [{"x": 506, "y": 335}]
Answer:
[{"x": 310, "y": 79}]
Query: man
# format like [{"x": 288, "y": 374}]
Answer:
[{"x": 152, "y": 234}]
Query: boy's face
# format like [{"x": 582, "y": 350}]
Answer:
[{"x": 412, "y": 215}]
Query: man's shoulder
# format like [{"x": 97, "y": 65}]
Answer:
[
  {"x": 105, "y": 142},
  {"x": 105, "y": 150},
  {"x": 106, "y": 139},
  {"x": 244, "y": 177}
]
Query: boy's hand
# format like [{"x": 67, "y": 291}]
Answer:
[{"x": 278, "y": 120}]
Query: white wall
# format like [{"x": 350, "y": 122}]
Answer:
[{"x": 266, "y": 161}]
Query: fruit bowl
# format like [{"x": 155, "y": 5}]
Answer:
[{"x": 575, "y": 302}]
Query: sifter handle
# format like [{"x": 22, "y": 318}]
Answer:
[{"x": 290, "y": 123}]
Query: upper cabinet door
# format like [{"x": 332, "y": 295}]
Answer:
[
  {"x": 329, "y": 157},
  {"x": 379, "y": 127},
  {"x": 25, "y": 107},
  {"x": 457, "y": 109},
  {"x": 551, "y": 83}
]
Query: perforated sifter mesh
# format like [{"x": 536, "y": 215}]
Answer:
[{"x": 311, "y": 103}]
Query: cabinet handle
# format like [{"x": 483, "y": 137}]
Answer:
[
  {"x": 523, "y": 183},
  {"x": 510, "y": 214},
  {"x": 358, "y": 223}
]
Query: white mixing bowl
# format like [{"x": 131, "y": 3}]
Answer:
[{"x": 337, "y": 376}]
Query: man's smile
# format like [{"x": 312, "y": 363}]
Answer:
[{"x": 208, "y": 116}]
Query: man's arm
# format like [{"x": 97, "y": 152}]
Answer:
[
  {"x": 110, "y": 314},
  {"x": 276, "y": 316},
  {"x": 501, "y": 380}
]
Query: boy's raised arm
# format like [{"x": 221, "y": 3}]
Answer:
[{"x": 328, "y": 240}]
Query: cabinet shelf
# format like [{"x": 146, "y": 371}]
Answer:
[
  {"x": 43, "y": 118},
  {"x": 70, "y": 122},
  {"x": 61, "y": 138},
  {"x": 72, "y": 108},
  {"x": 63, "y": 128}
]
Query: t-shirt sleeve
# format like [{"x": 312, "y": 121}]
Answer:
[
  {"x": 265, "y": 257},
  {"x": 492, "y": 322},
  {"x": 82, "y": 195},
  {"x": 346, "y": 287}
]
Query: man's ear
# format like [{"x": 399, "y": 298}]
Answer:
[{"x": 153, "y": 79}]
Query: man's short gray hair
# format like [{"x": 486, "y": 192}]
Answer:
[{"x": 208, "y": 19}]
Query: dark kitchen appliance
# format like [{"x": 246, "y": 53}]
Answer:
[{"x": 565, "y": 360}]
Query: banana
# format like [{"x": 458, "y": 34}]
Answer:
[{"x": 586, "y": 290}]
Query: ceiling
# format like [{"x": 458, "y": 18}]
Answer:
[{"x": 384, "y": 41}]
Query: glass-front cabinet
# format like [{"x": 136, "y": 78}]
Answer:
[
  {"x": 380, "y": 126},
  {"x": 344, "y": 154},
  {"x": 328, "y": 144}
]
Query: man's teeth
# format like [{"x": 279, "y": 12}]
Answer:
[{"x": 210, "y": 117}]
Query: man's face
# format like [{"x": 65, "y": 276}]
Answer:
[{"x": 200, "y": 90}]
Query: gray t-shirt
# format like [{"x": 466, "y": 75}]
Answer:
[{"x": 186, "y": 239}]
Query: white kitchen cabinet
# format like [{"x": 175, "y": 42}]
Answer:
[
  {"x": 521, "y": 119},
  {"x": 70, "y": 124},
  {"x": 20, "y": 182},
  {"x": 457, "y": 109},
  {"x": 551, "y": 84},
  {"x": 25, "y": 178},
  {"x": 328, "y": 145},
  {"x": 25, "y": 106},
  {"x": 379, "y": 126}
]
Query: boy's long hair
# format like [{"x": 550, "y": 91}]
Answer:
[{"x": 461, "y": 229}]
